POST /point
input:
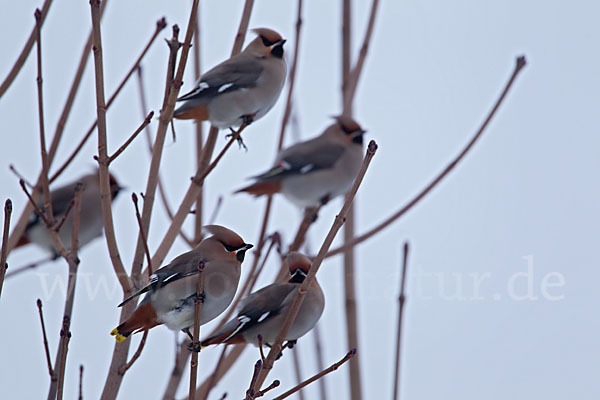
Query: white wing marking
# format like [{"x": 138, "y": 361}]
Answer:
[
  {"x": 263, "y": 317},
  {"x": 225, "y": 87}
]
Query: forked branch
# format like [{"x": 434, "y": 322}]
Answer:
[{"x": 520, "y": 63}]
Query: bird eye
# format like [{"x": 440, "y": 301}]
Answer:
[
  {"x": 267, "y": 42},
  {"x": 230, "y": 248}
]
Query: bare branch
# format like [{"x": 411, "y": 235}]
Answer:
[
  {"x": 136, "y": 355},
  {"x": 21, "y": 224},
  {"x": 160, "y": 25},
  {"x": 352, "y": 81},
  {"x": 213, "y": 376},
  {"x": 198, "y": 303},
  {"x": 13, "y": 169},
  {"x": 520, "y": 63},
  {"x": 251, "y": 392},
  {"x": 272, "y": 386},
  {"x": 16, "y": 68},
  {"x": 81, "y": 382},
  {"x": 209, "y": 145},
  {"x": 60, "y": 223},
  {"x": 105, "y": 191},
  {"x": 177, "y": 371},
  {"x": 215, "y": 213},
  {"x": 199, "y": 136},
  {"x": 296, "y": 362},
  {"x": 310, "y": 216},
  {"x": 142, "y": 233},
  {"x": 45, "y": 161},
  {"x": 228, "y": 361},
  {"x": 57, "y": 379},
  {"x": 401, "y": 299},
  {"x": 65, "y": 337},
  {"x": 132, "y": 137},
  {"x": 4, "y": 251},
  {"x": 299, "y": 298},
  {"x": 45, "y": 336},
  {"x": 33, "y": 265},
  {"x": 310, "y": 380},
  {"x": 161, "y": 188},
  {"x": 316, "y": 331}
]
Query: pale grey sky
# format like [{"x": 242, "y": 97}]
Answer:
[{"x": 525, "y": 201}]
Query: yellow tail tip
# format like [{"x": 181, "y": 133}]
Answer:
[{"x": 118, "y": 337}]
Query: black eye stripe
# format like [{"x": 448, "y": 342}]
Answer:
[
  {"x": 267, "y": 42},
  {"x": 231, "y": 248}
]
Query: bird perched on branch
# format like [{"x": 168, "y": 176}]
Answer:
[
  {"x": 263, "y": 312},
  {"x": 313, "y": 172},
  {"x": 171, "y": 292},
  {"x": 90, "y": 222},
  {"x": 241, "y": 89}
]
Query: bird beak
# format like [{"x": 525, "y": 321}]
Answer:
[
  {"x": 247, "y": 246},
  {"x": 281, "y": 42},
  {"x": 358, "y": 133}
]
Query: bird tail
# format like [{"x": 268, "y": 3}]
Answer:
[
  {"x": 189, "y": 111},
  {"x": 23, "y": 240},
  {"x": 262, "y": 188},
  {"x": 227, "y": 334},
  {"x": 142, "y": 319}
]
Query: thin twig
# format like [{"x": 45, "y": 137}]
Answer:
[
  {"x": 228, "y": 361},
  {"x": 198, "y": 303},
  {"x": 215, "y": 213},
  {"x": 251, "y": 392},
  {"x": 260, "y": 348},
  {"x": 177, "y": 371},
  {"x": 299, "y": 298},
  {"x": 209, "y": 145},
  {"x": 161, "y": 188},
  {"x": 136, "y": 355},
  {"x": 160, "y": 25},
  {"x": 35, "y": 264},
  {"x": 520, "y": 63},
  {"x": 23, "y": 220},
  {"x": 352, "y": 81},
  {"x": 57, "y": 381},
  {"x": 16, "y": 68},
  {"x": 401, "y": 299},
  {"x": 80, "y": 382},
  {"x": 45, "y": 336},
  {"x": 296, "y": 362},
  {"x": 60, "y": 223},
  {"x": 213, "y": 376},
  {"x": 272, "y": 386},
  {"x": 142, "y": 233},
  {"x": 5, "y": 236},
  {"x": 310, "y": 216},
  {"x": 310, "y": 380},
  {"x": 132, "y": 137},
  {"x": 103, "y": 161},
  {"x": 13, "y": 169},
  {"x": 316, "y": 331},
  {"x": 199, "y": 136},
  {"x": 45, "y": 161},
  {"x": 65, "y": 337},
  {"x": 303, "y": 289}
]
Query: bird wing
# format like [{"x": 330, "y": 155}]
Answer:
[
  {"x": 181, "y": 267},
  {"x": 229, "y": 76},
  {"x": 259, "y": 306},
  {"x": 304, "y": 158}
]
